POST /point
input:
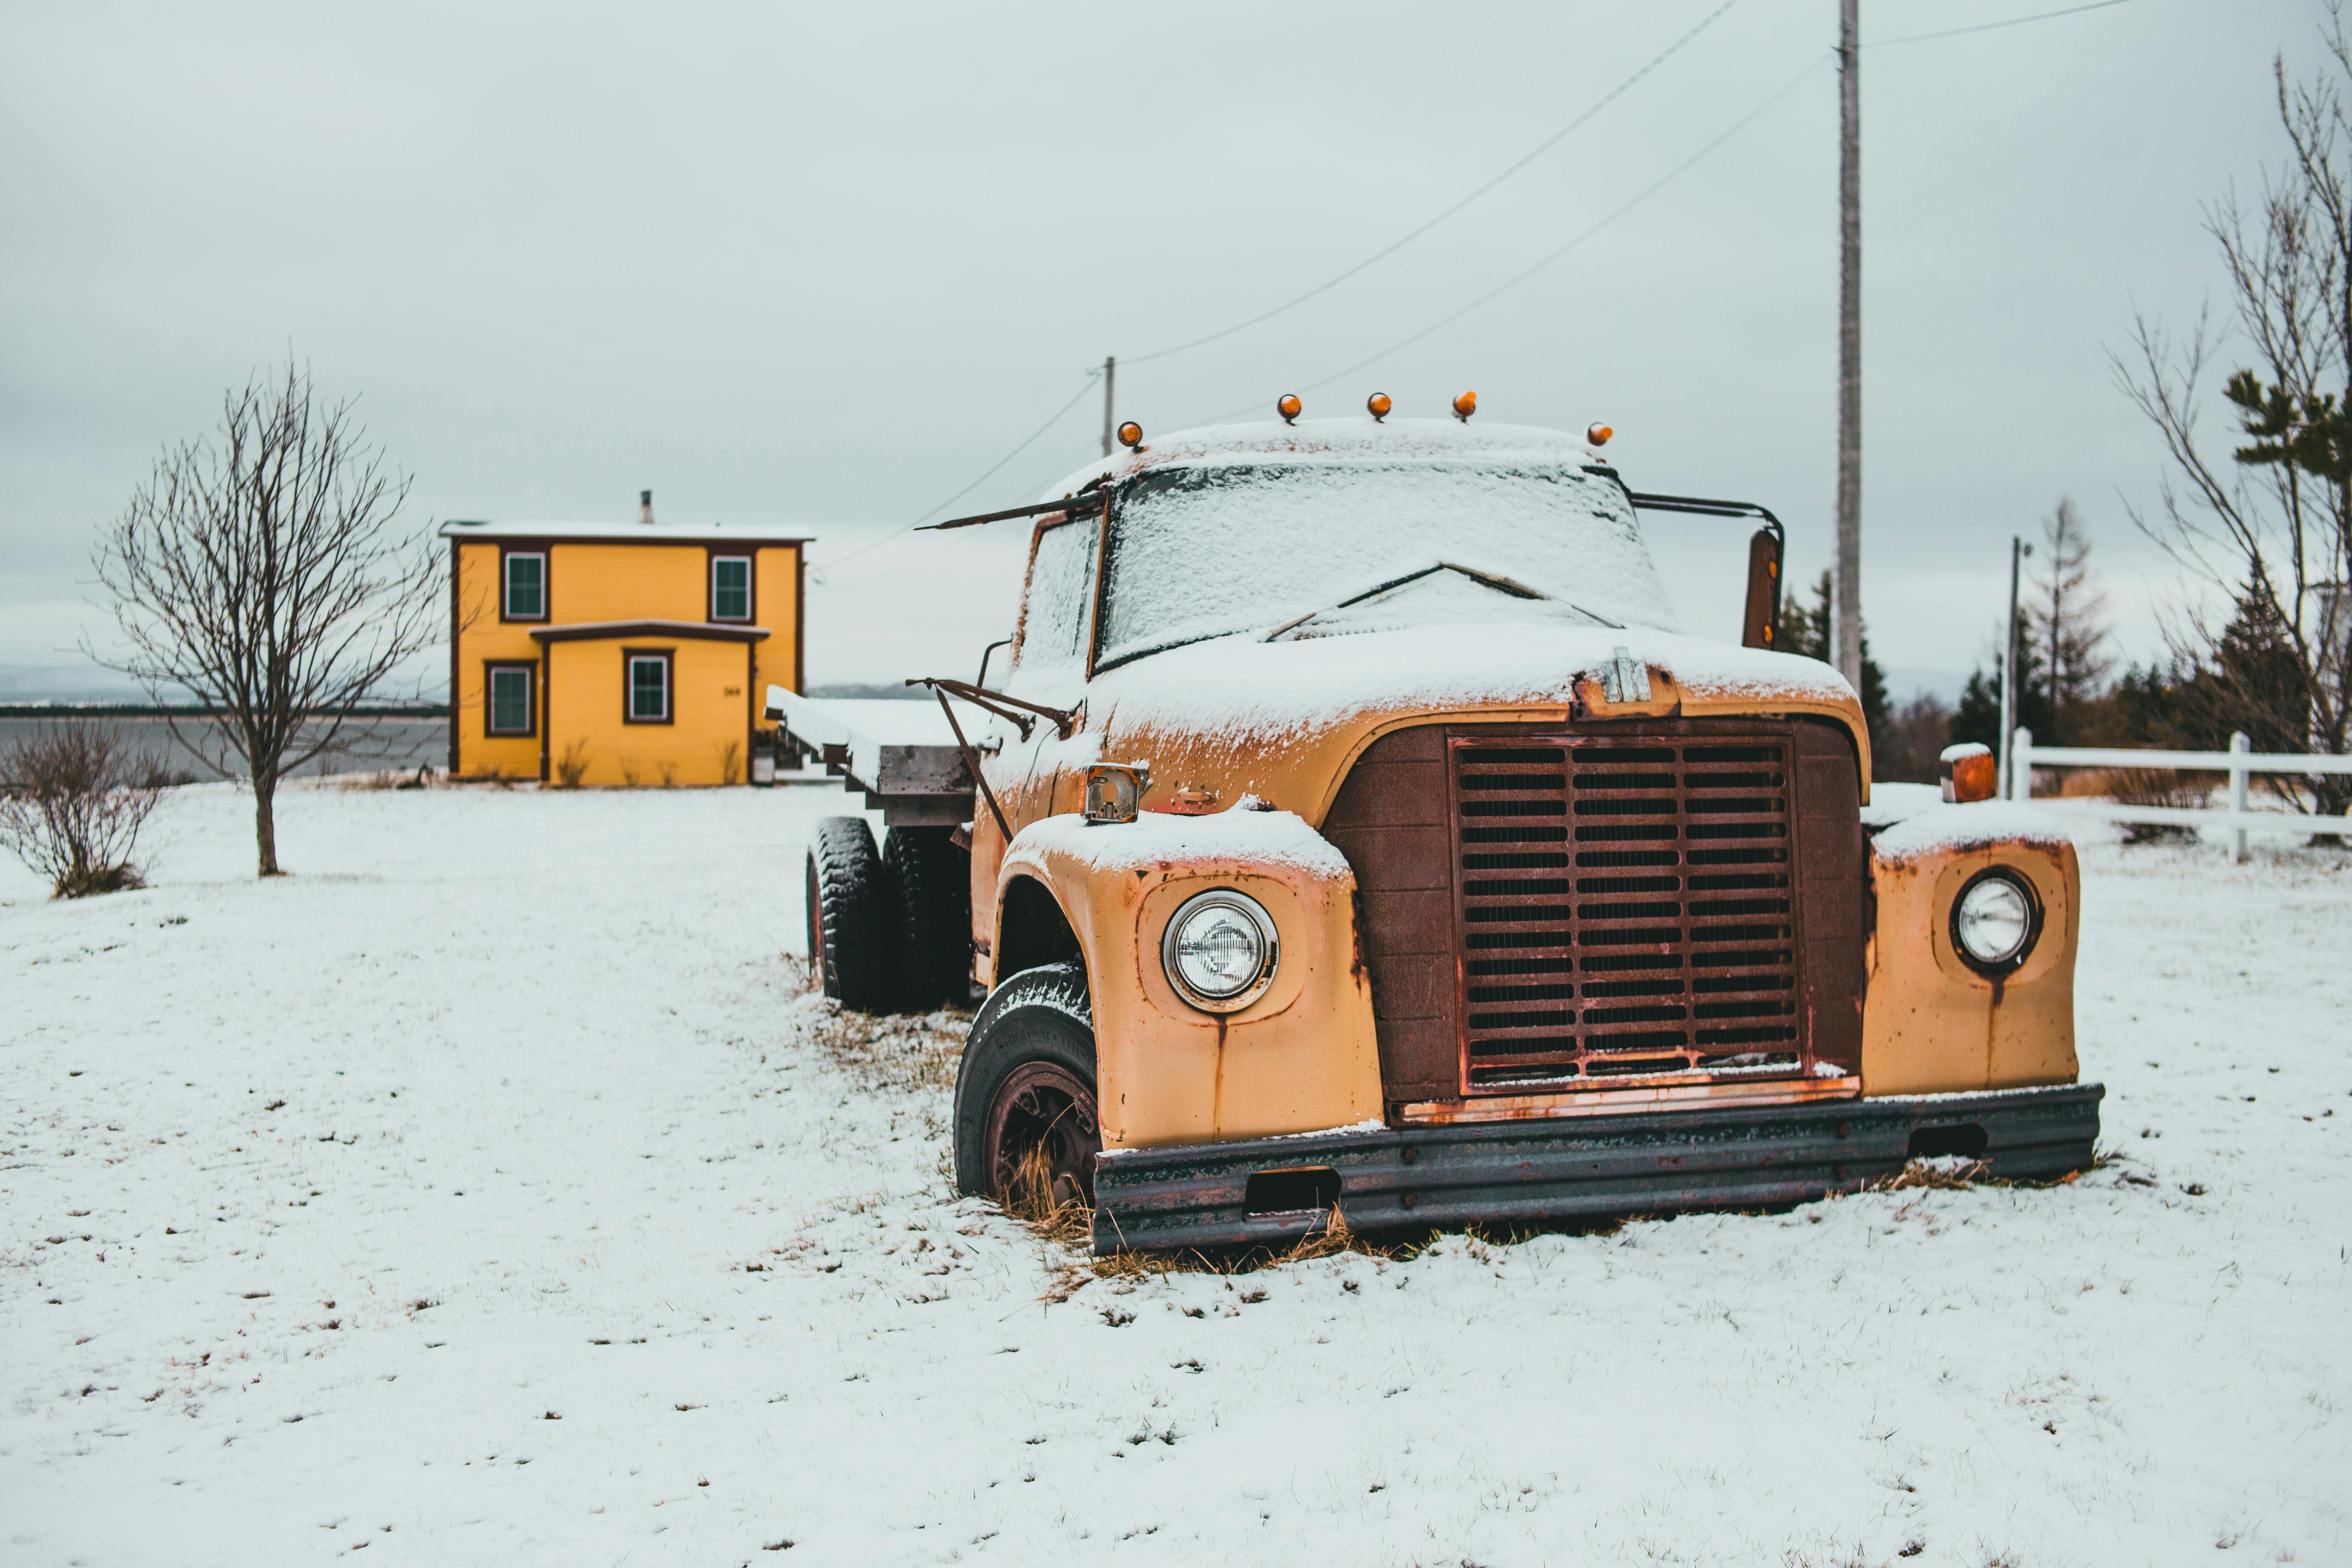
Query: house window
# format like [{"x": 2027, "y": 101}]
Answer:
[
  {"x": 731, "y": 587},
  {"x": 507, "y": 707},
  {"x": 525, "y": 586},
  {"x": 648, "y": 693}
]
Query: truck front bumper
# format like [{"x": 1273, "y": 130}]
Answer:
[{"x": 1276, "y": 1190}]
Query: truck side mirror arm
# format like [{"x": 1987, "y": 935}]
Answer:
[{"x": 1765, "y": 549}]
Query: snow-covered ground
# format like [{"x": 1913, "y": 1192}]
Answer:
[{"x": 487, "y": 1191}]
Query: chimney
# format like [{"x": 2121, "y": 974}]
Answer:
[{"x": 645, "y": 508}]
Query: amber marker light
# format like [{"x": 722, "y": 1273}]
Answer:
[
  {"x": 1130, "y": 435},
  {"x": 1379, "y": 403},
  {"x": 1465, "y": 406},
  {"x": 1288, "y": 405},
  {"x": 1598, "y": 433}
]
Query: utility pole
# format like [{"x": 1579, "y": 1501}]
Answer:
[
  {"x": 1849, "y": 475},
  {"x": 1110, "y": 366},
  {"x": 2017, "y": 551}
]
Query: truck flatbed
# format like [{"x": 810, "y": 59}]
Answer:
[{"x": 902, "y": 754}]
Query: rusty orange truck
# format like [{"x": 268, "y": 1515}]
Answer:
[{"x": 1348, "y": 827}]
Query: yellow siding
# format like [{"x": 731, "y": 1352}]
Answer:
[
  {"x": 777, "y": 575},
  {"x": 483, "y": 637},
  {"x": 626, "y": 582},
  {"x": 579, "y": 699},
  {"x": 708, "y": 699}
]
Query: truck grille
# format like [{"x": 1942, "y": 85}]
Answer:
[{"x": 1623, "y": 908}]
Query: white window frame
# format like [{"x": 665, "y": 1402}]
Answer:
[
  {"x": 748, "y": 579},
  {"x": 529, "y": 675},
  {"x": 506, "y": 584},
  {"x": 629, "y": 663}
]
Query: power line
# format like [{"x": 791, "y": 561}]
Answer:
[
  {"x": 1085, "y": 387},
  {"x": 1512, "y": 282},
  {"x": 1989, "y": 27},
  {"x": 1539, "y": 149},
  {"x": 1522, "y": 276}
]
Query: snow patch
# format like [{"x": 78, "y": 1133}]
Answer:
[
  {"x": 1275, "y": 838},
  {"x": 1894, "y": 803},
  {"x": 1977, "y": 825},
  {"x": 1244, "y": 689}
]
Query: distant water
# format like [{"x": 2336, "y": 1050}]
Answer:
[{"x": 369, "y": 744}]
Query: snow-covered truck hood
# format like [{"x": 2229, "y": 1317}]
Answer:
[{"x": 1283, "y": 720}]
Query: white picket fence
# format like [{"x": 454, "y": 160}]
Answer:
[{"x": 2241, "y": 762}]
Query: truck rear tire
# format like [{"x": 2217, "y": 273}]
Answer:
[
  {"x": 931, "y": 881},
  {"x": 851, "y": 927},
  {"x": 1026, "y": 1130}
]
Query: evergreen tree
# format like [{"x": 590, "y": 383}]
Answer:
[
  {"x": 2067, "y": 625},
  {"x": 2148, "y": 706},
  {"x": 2255, "y": 682},
  {"x": 1804, "y": 629},
  {"x": 1978, "y": 718}
]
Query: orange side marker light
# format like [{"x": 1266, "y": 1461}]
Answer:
[
  {"x": 1465, "y": 406},
  {"x": 1379, "y": 403},
  {"x": 1130, "y": 435},
  {"x": 1969, "y": 772},
  {"x": 1288, "y": 405}
]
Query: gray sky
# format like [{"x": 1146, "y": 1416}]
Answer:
[{"x": 819, "y": 268}]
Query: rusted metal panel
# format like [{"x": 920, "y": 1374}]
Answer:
[
  {"x": 1834, "y": 898},
  {"x": 1625, "y": 904},
  {"x": 921, "y": 810},
  {"x": 1652, "y": 900},
  {"x": 1696, "y": 1090},
  {"x": 1584, "y": 1167},
  {"x": 1388, "y": 820},
  {"x": 920, "y": 770}
]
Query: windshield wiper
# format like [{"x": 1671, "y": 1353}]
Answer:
[{"x": 1501, "y": 584}]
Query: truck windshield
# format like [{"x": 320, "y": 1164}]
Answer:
[{"x": 1306, "y": 548}]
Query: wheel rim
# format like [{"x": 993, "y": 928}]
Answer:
[
  {"x": 1044, "y": 1106},
  {"x": 816, "y": 933}
]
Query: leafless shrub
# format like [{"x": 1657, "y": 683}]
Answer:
[
  {"x": 730, "y": 758},
  {"x": 260, "y": 573},
  {"x": 668, "y": 774},
  {"x": 78, "y": 800},
  {"x": 149, "y": 770},
  {"x": 572, "y": 765},
  {"x": 629, "y": 772},
  {"x": 2157, "y": 787}
]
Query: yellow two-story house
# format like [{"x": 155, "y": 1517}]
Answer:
[{"x": 617, "y": 653}]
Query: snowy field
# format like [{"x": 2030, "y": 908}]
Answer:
[{"x": 487, "y": 1191}]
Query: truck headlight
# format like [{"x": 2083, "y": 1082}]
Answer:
[
  {"x": 1219, "y": 951},
  {"x": 1995, "y": 921}
]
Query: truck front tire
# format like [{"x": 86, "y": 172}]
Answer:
[
  {"x": 1026, "y": 1130},
  {"x": 930, "y": 882},
  {"x": 851, "y": 931}
]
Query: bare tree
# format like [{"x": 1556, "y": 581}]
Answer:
[
  {"x": 2270, "y": 525},
  {"x": 259, "y": 572},
  {"x": 76, "y": 800},
  {"x": 2071, "y": 623}
]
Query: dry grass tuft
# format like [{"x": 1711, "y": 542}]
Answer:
[
  {"x": 1070, "y": 1226},
  {"x": 905, "y": 1053},
  {"x": 1949, "y": 1175}
]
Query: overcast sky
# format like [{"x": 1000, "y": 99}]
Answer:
[{"x": 820, "y": 267}]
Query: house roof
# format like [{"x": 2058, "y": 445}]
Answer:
[
  {"x": 618, "y": 532},
  {"x": 609, "y": 631}
]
